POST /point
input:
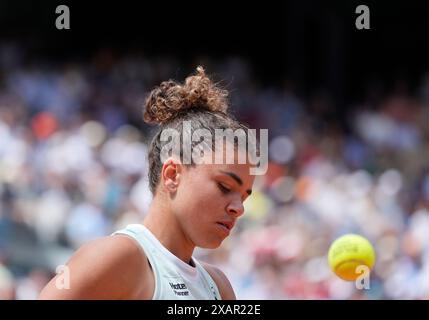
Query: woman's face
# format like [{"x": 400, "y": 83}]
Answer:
[{"x": 209, "y": 200}]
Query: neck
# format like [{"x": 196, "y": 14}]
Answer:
[{"x": 164, "y": 225}]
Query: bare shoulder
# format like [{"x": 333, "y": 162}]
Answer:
[
  {"x": 225, "y": 289},
  {"x": 112, "y": 267}
]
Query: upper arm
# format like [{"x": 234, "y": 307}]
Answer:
[
  {"x": 225, "y": 289},
  {"x": 107, "y": 268}
]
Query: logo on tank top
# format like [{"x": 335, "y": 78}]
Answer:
[{"x": 179, "y": 289}]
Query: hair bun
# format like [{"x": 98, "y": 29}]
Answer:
[{"x": 167, "y": 100}]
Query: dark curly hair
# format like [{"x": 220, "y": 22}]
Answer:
[{"x": 198, "y": 100}]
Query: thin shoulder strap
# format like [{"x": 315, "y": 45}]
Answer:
[{"x": 209, "y": 280}]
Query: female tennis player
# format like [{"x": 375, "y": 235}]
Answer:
[{"x": 194, "y": 205}]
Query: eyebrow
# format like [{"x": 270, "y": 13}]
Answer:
[{"x": 237, "y": 179}]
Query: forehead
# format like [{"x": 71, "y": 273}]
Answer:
[
  {"x": 235, "y": 160},
  {"x": 227, "y": 154},
  {"x": 240, "y": 170}
]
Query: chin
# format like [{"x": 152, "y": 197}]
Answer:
[{"x": 211, "y": 245}]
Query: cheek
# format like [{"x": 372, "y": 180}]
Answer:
[
  {"x": 206, "y": 199},
  {"x": 200, "y": 206},
  {"x": 201, "y": 201}
]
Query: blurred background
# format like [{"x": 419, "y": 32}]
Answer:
[{"x": 347, "y": 112}]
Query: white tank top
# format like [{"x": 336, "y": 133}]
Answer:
[{"x": 174, "y": 278}]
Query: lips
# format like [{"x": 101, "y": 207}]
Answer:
[{"x": 227, "y": 224}]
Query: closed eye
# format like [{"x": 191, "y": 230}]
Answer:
[{"x": 224, "y": 189}]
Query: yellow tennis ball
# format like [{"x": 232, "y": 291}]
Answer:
[{"x": 349, "y": 252}]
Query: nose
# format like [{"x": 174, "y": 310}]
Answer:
[{"x": 235, "y": 208}]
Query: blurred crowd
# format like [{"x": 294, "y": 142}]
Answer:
[{"x": 73, "y": 167}]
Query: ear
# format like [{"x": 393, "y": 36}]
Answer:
[{"x": 171, "y": 173}]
